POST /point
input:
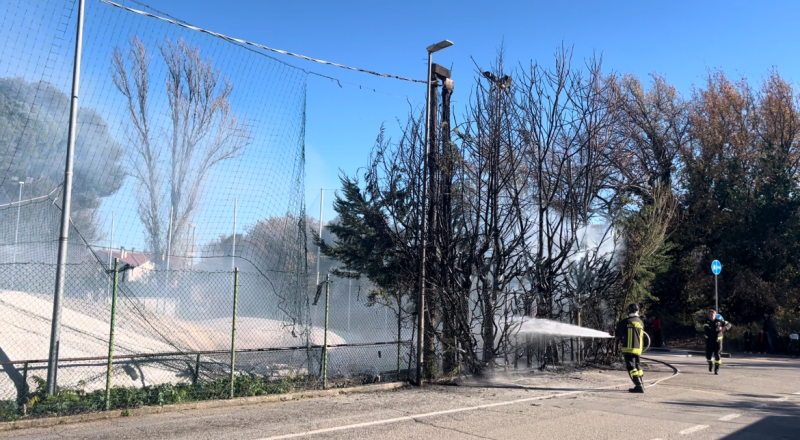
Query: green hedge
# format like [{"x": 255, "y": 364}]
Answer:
[{"x": 70, "y": 401}]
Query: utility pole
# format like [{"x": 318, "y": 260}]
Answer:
[
  {"x": 63, "y": 239},
  {"x": 424, "y": 230}
]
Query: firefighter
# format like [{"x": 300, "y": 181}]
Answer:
[
  {"x": 713, "y": 330},
  {"x": 630, "y": 332}
]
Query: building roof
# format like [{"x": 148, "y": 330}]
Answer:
[{"x": 134, "y": 259}]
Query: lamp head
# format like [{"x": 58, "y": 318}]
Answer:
[{"x": 439, "y": 46}]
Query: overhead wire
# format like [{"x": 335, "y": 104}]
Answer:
[{"x": 260, "y": 46}]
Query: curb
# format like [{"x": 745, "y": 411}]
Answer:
[
  {"x": 687, "y": 351},
  {"x": 206, "y": 404},
  {"x": 703, "y": 353}
]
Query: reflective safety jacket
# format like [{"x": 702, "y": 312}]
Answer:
[
  {"x": 713, "y": 330},
  {"x": 631, "y": 332}
]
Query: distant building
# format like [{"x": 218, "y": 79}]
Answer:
[{"x": 139, "y": 262}]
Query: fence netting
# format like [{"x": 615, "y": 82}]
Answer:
[
  {"x": 174, "y": 328},
  {"x": 189, "y": 161}
]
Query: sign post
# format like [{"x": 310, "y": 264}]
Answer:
[{"x": 716, "y": 269}]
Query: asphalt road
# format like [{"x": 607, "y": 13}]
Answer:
[{"x": 752, "y": 399}]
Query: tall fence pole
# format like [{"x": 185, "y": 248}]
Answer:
[
  {"x": 169, "y": 237},
  {"x": 399, "y": 334},
  {"x": 325, "y": 337},
  {"x": 63, "y": 239},
  {"x": 233, "y": 327},
  {"x": 580, "y": 341},
  {"x": 196, "y": 370},
  {"x": 111, "y": 242},
  {"x": 111, "y": 333},
  {"x": 319, "y": 248},
  {"x": 16, "y": 235},
  {"x": 233, "y": 246}
]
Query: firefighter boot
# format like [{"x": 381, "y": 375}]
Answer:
[
  {"x": 716, "y": 367},
  {"x": 639, "y": 388},
  {"x": 710, "y": 366}
]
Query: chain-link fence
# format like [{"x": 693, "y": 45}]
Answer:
[
  {"x": 173, "y": 329},
  {"x": 189, "y": 147},
  {"x": 174, "y": 338},
  {"x": 375, "y": 337}
]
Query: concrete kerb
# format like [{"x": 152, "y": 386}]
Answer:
[
  {"x": 683, "y": 351},
  {"x": 45, "y": 422}
]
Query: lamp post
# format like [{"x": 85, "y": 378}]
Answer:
[{"x": 421, "y": 300}]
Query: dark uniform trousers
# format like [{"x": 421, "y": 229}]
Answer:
[
  {"x": 634, "y": 366},
  {"x": 713, "y": 334}
]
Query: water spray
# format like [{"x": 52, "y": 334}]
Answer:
[{"x": 554, "y": 328}]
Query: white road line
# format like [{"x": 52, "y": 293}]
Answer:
[
  {"x": 781, "y": 399},
  {"x": 439, "y": 413},
  {"x": 797, "y": 393},
  {"x": 457, "y": 410},
  {"x": 430, "y": 414},
  {"x": 693, "y": 429},
  {"x": 729, "y": 417}
]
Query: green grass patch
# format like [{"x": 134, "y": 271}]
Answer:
[{"x": 75, "y": 400}]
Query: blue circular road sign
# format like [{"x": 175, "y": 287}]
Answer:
[{"x": 716, "y": 267}]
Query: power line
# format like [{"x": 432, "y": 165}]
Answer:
[
  {"x": 260, "y": 46},
  {"x": 338, "y": 81}
]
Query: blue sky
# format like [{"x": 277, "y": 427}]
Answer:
[{"x": 679, "y": 39}]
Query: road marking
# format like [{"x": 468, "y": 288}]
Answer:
[
  {"x": 781, "y": 399},
  {"x": 797, "y": 393},
  {"x": 675, "y": 373},
  {"x": 729, "y": 417},
  {"x": 430, "y": 414},
  {"x": 444, "y": 412},
  {"x": 693, "y": 429}
]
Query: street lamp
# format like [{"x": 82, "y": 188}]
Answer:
[{"x": 421, "y": 300}]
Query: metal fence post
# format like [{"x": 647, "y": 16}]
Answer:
[
  {"x": 63, "y": 238},
  {"x": 196, "y": 370},
  {"x": 111, "y": 333},
  {"x": 325, "y": 337},
  {"x": 233, "y": 327},
  {"x": 399, "y": 333},
  {"x": 25, "y": 379}
]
